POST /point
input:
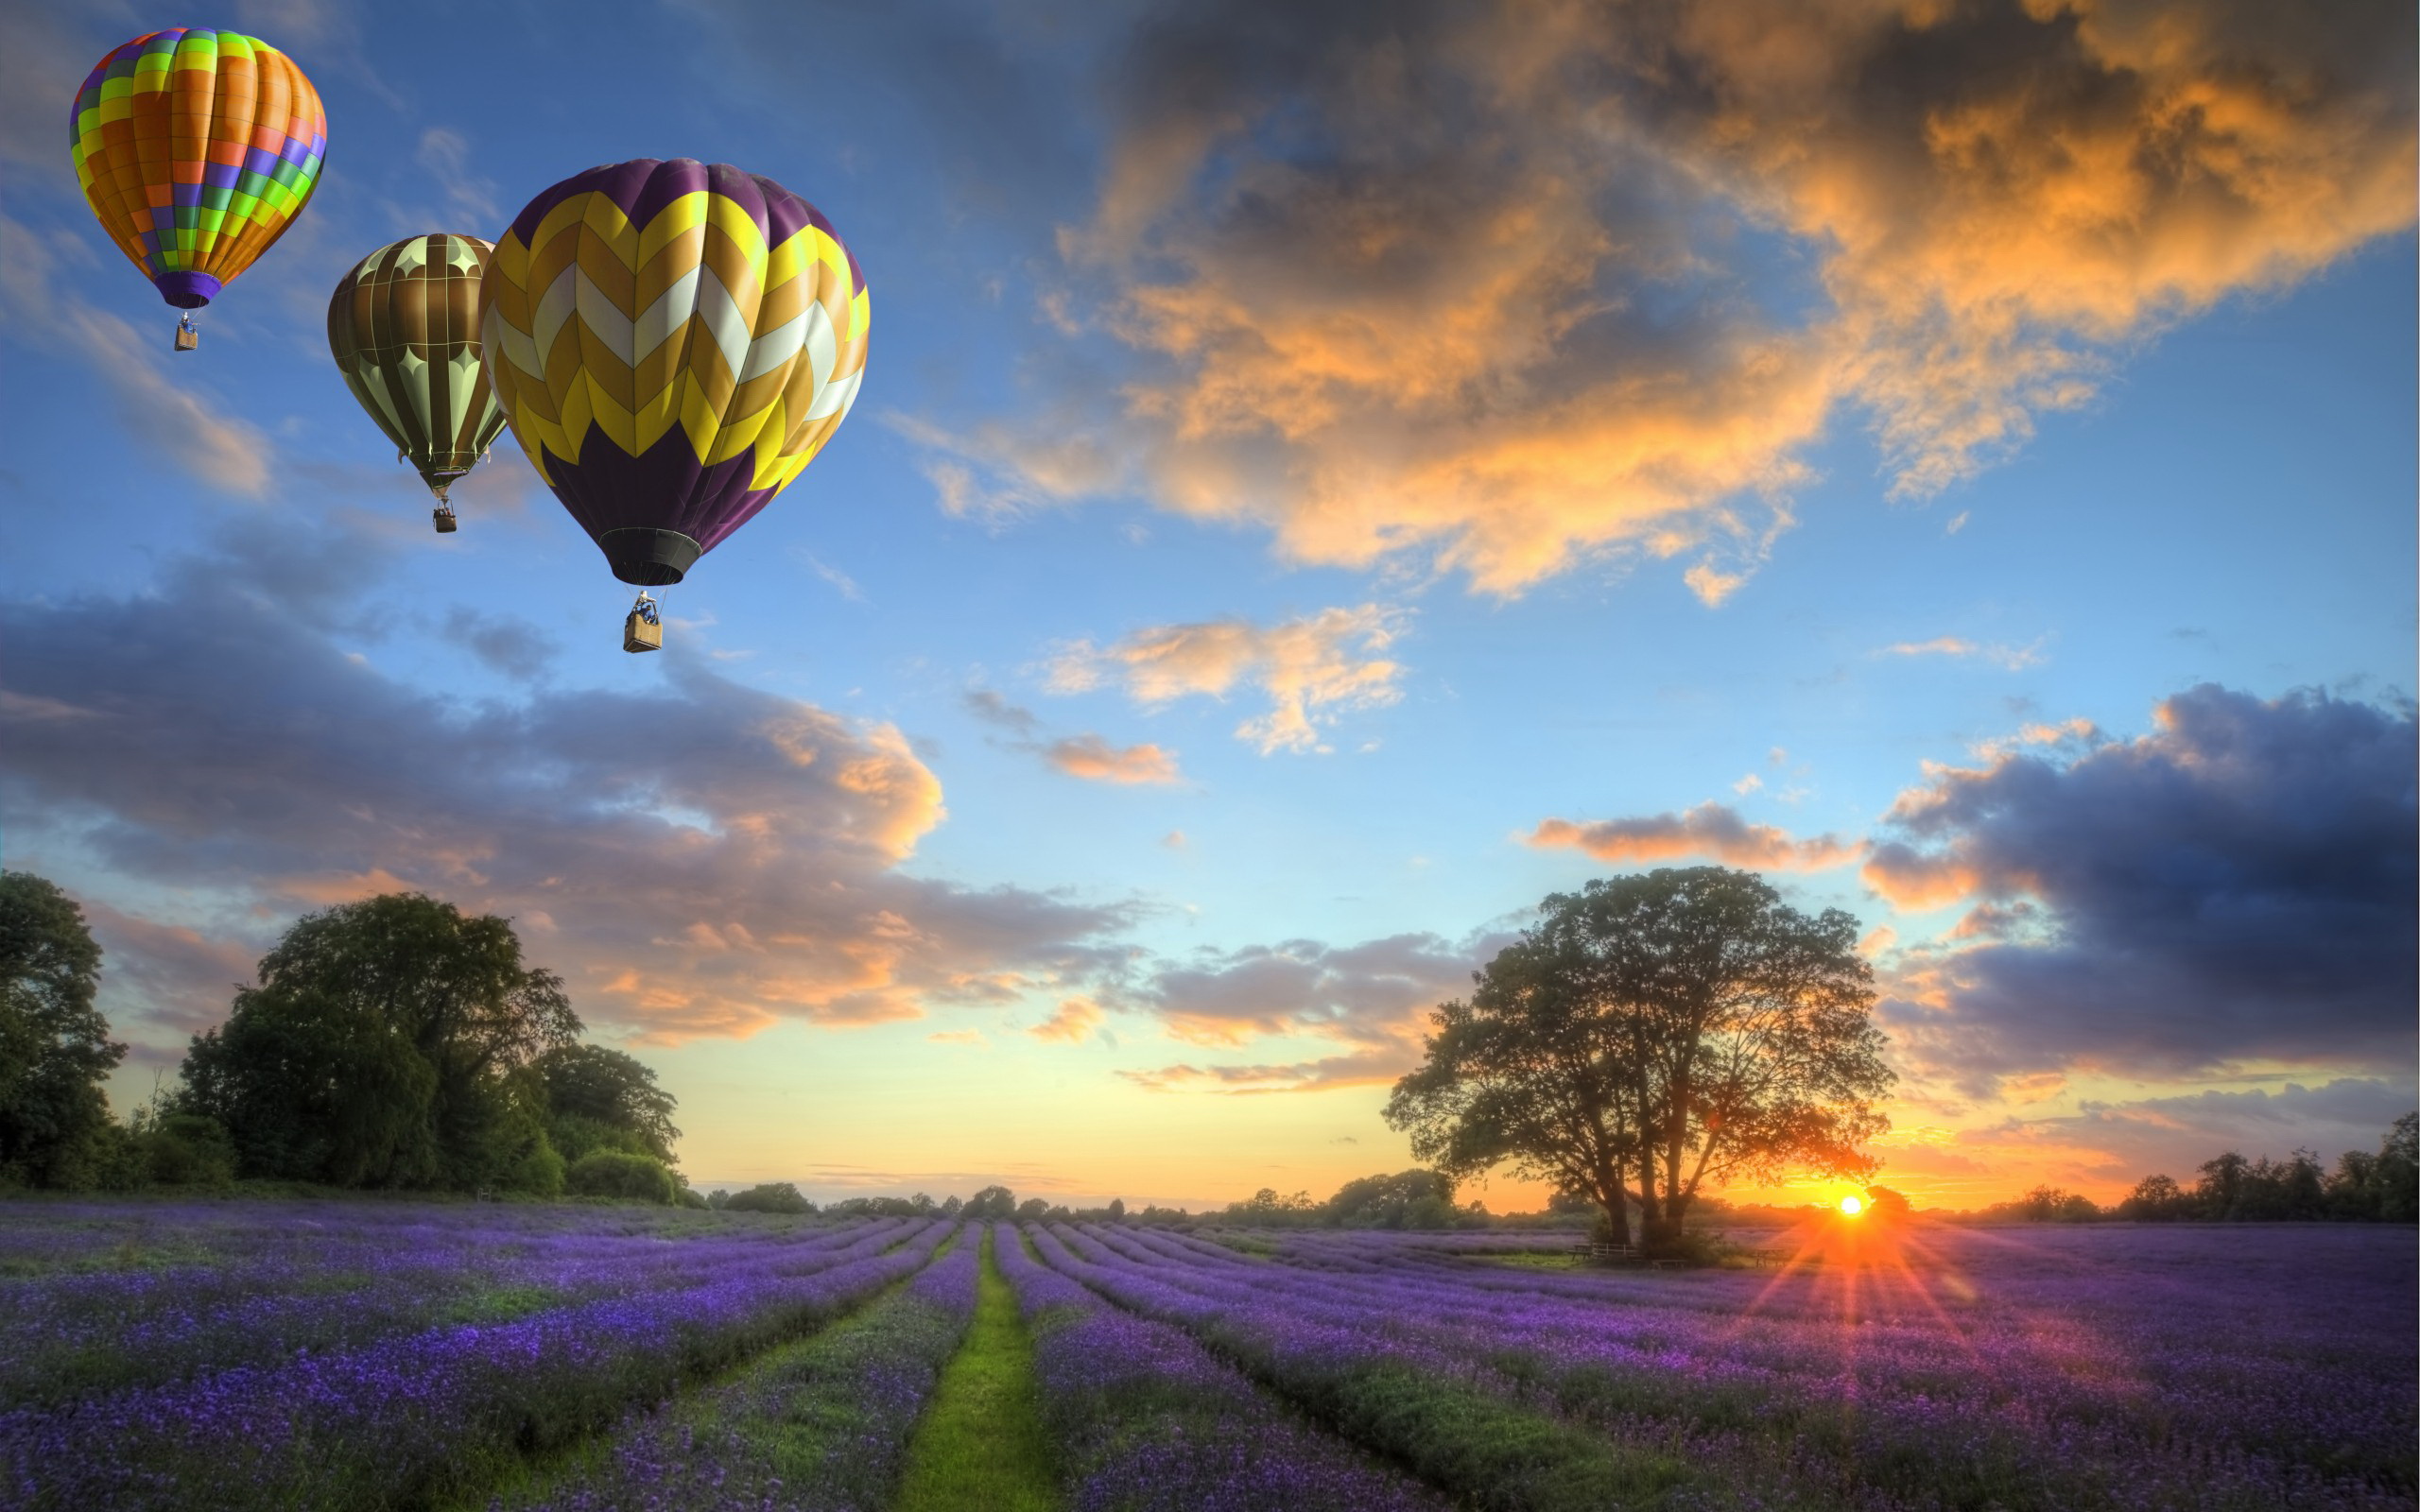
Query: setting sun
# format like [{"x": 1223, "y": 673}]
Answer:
[{"x": 1851, "y": 1206}]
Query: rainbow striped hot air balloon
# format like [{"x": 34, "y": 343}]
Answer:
[
  {"x": 672, "y": 343},
  {"x": 197, "y": 149}
]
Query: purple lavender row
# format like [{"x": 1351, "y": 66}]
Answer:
[
  {"x": 1143, "y": 1420},
  {"x": 1911, "y": 1388},
  {"x": 820, "y": 1426},
  {"x": 326, "y": 1287},
  {"x": 418, "y": 1417}
]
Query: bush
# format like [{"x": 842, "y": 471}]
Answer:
[
  {"x": 774, "y": 1197},
  {"x": 538, "y": 1173},
  {"x": 618, "y": 1174},
  {"x": 185, "y": 1150}
]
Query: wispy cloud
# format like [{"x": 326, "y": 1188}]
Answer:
[
  {"x": 1087, "y": 756},
  {"x": 841, "y": 582},
  {"x": 186, "y": 429},
  {"x": 471, "y": 201},
  {"x": 2009, "y": 658},
  {"x": 1711, "y": 830}
]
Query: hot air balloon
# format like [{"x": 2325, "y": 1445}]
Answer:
[
  {"x": 197, "y": 149},
  {"x": 672, "y": 342},
  {"x": 405, "y": 328}
]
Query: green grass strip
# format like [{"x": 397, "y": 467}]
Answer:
[{"x": 981, "y": 1443}]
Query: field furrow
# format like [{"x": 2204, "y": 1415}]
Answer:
[{"x": 821, "y": 1425}]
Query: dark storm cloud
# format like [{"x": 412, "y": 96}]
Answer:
[
  {"x": 698, "y": 858},
  {"x": 2238, "y": 886}
]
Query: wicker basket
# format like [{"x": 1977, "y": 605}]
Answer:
[{"x": 640, "y": 635}]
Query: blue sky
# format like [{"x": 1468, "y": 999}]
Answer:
[{"x": 1307, "y": 452}]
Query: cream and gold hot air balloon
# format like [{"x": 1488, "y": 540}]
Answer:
[{"x": 405, "y": 328}]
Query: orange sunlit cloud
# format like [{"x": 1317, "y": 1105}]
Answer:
[
  {"x": 1711, "y": 829},
  {"x": 1309, "y": 669},
  {"x": 1095, "y": 760},
  {"x": 1983, "y": 235}
]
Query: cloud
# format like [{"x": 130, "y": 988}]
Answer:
[
  {"x": 974, "y": 1039},
  {"x": 470, "y": 197},
  {"x": 2105, "y": 1147},
  {"x": 993, "y": 709},
  {"x": 507, "y": 644},
  {"x": 1088, "y": 756},
  {"x": 186, "y": 430},
  {"x": 43, "y": 63},
  {"x": 167, "y": 976},
  {"x": 1327, "y": 1075},
  {"x": 1509, "y": 288},
  {"x": 1072, "y": 1024},
  {"x": 1095, "y": 760},
  {"x": 1310, "y": 669},
  {"x": 2009, "y": 658},
  {"x": 1711, "y": 829},
  {"x": 841, "y": 582},
  {"x": 1371, "y": 1000},
  {"x": 2238, "y": 886},
  {"x": 698, "y": 858}
]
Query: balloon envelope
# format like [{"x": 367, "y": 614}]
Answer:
[
  {"x": 197, "y": 149},
  {"x": 672, "y": 342},
  {"x": 405, "y": 328}
]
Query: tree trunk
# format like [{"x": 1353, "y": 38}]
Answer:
[{"x": 1613, "y": 1199}]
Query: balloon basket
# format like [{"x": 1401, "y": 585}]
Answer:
[
  {"x": 187, "y": 337},
  {"x": 445, "y": 520},
  {"x": 640, "y": 633}
]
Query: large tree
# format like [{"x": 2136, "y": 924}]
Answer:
[
  {"x": 1650, "y": 1035},
  {"x": 55, "y": 1046},
  {"x": 387, "y": 1042}
]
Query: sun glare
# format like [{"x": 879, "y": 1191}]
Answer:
[{"x": 1851, "y": 1206}]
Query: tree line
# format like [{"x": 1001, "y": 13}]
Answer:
[
  {"x": 394, "y": 1043},
  {"x": 2364, "y": 1187}
]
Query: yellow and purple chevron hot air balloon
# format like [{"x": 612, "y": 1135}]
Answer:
[
  {"x": 197, "y": 149},
  {"x": 672, "y": 343}
]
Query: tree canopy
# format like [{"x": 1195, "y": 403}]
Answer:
[
  {"x": 55, "y": 1046},
  {"x": 1649, "y": 1036},
  {"x": 600, "y": 1099},
  {"x": 389, "y": 1042}
]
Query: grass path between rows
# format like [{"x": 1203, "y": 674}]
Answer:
[{"x": 981, "y": 1442}]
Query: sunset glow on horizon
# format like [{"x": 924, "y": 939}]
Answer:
[{"x": 1324, "y": 480}]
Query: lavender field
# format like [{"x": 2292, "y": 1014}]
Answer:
[{"x": 376, "y": 1355}]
